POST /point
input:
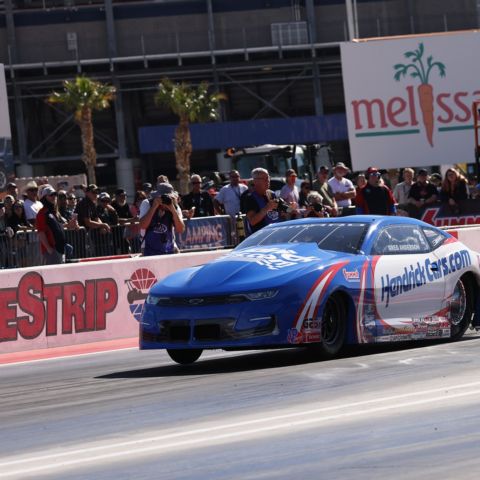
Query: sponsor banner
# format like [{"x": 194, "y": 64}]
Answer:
[
  {"x": 442, "y": 215},
  {"x": 207, "y": 232},
  {"x": 64, "y": 305},
  {"x": 409, "y": 99}
]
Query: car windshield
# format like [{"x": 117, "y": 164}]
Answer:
[{"x": 339, "y": 237}]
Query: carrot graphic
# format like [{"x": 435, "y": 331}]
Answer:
[{"x": 425, "y": 90}]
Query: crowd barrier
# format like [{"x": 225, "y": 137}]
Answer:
[{"x": 23, "y": 248}]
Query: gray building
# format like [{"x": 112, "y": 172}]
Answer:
[{"x": 277, "y": 61}]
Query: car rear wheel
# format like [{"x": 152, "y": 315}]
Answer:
[
  {"x": 333, "y": 329},
  {"x": 461, "y": 309},
  {"x": 184, "y": 356}
]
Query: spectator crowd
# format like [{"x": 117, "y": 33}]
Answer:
[{"x": 156, "y": 215}]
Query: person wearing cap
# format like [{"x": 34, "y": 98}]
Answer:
[
  {"x": 12, "y": 189},
  {"x": 436, "y": 179},
  {"x": 105, "y": 211},
  {"x": 289, "y": 191},
  {"x": 124, "y": 217},
  {"x": 147, "y": 188},
  {"x": 86, "y": 211},
  {"x": 108, "y": 244},
  {"x": 50, "y": 229},
  {"x": 197, "y": 203},
  {"x": 422, "y": 194},
  {"x": 32, "y": 205},
  {"x": 121, "y": 206},
  {"x": 322, "y": 186},
  {"x": 161, "y": 218},
  {"x": 228, "y": 198},
  {"x": 342, "y": 188},
  {"x": 374, "y": 198}
]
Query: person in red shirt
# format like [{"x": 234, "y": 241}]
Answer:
[
  {"x": 50, "y": 228},
  {"x": 374, "y": 198}
]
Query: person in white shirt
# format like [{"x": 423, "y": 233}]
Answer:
[
  {"x": 32, "y": 205},
  {"x": 289, "y": 191},
  {"x": 228, "y": 198},
  {"x": 342, "y": 188},
  {"x": 402, "y": 189}
]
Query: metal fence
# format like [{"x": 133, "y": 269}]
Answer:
[{"x": 23, "y": 248}]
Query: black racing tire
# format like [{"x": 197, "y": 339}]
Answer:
[
  {"x": 333, "y": 329},
  {"x": 461, "y": 308},
  {"x": 184, "y": 356}
]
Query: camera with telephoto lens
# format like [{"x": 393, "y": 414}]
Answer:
[
  {"x": 283, "y": 206},
  {"x": 318, "y": 207},
  {"x": 166, "y": 199}
]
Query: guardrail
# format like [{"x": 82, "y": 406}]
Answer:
[{"x": 23, "y": 248}]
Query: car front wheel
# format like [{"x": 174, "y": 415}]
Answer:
[
  {"x": 333, "y": 329},
  {"x": 184, "y": 356}
]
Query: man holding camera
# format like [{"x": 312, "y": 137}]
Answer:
[
  {"x": 161, "y": 217},
  {"x": 261, "y": 206}
]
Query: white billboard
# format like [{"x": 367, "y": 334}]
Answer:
[{"x": 409, "y": 99}]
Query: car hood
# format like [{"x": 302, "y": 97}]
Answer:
[{"x": 248, "y": 269}]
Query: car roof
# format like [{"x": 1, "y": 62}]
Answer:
[{"x": 379, "y": 220}]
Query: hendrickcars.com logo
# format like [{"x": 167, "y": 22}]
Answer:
[{"x": 418, "y": 107}]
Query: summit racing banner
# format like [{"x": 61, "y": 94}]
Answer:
[{"x": 409, "y": 99}]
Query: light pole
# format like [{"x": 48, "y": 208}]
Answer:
[{"x": 352, "y": 19}]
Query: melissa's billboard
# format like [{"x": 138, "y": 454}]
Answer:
[{"x": 409, "y": 99}]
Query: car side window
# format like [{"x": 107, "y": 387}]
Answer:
[
  {"x": 435, "y": 237},
  {"x": 400, "y": 240}
]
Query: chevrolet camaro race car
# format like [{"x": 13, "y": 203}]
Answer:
[{"x": 319, "y": 283}]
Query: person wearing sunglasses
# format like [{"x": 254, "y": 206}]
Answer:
[
  {"x": 197, "y": 203},
  {"x": 49, "y": 224},
  {"x": 375, "y": 198},
  {"x": 32, "y": 205}
]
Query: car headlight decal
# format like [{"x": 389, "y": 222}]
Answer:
[
  {"x": 263, "y": 295},
  {"x": 154, "y": 299}
]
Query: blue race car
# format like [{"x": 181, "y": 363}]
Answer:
[{"x": 319, "y": 283}]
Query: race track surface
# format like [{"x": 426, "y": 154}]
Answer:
[{"x": 394, "y": 412}]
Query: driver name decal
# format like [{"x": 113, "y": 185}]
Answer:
[{"x": 415, "y": 276}]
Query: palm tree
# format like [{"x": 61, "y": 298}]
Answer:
[
  {"x": 82, "y": 96},
  {"x": 189, "y": 104}
]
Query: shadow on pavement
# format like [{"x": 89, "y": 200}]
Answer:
[{"x": 262, "y": 360}]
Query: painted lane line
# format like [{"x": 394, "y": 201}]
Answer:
[{"x": 236, "y": 431}]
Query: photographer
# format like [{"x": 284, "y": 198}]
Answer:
[
  {"x": 161, "y": 217},
  {"x": 261, "y": 206},
  {"x": 315, "y": 207}
]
